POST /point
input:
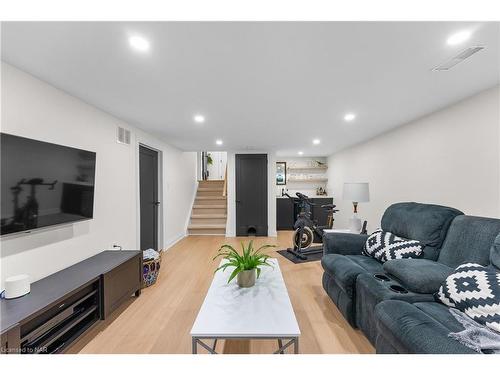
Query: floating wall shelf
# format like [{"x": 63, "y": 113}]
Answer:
[
  {"x": 321, "y": 169},
  {"x": 307, "y": 180}
]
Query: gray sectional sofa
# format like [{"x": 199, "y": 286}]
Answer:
[{"x": 360, "y": 285}]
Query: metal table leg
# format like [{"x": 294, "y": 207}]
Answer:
[
  {"x": 194, "y": 343},
  {"x": 197, "y": 341}
]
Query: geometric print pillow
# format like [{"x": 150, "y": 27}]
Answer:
[
  {"x": 384, "y": 246},
  {"x": 474, "y": 290}
]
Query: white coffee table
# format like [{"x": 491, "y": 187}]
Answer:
[{"x": 263, "y": 311}]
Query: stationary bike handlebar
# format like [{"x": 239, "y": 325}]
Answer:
[
  {"x": 300, "y": 197},
  {"x": 304, "y": 198}
]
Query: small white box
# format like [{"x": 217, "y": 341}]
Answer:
[{"x": 17, "y": 286}]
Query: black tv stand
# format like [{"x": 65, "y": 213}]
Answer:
[{"x": 62, "y": 306}]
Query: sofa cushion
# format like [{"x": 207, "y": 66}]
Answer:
[
  {"x": 469, "y": 240},
  {"x": 474, "y": 290},
  {"x": 413, "y": 328},
  {"x": 440, "y": 313},
  {"x": 418, "y": 275},
  {"x": 427, "y": 223},
  {"x": 369, "y": 264},
  {"x": 346, "y": 268},
  {"x": 383, "y": 246}
]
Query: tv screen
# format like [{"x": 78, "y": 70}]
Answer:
[{"x": 44, "y": 184}]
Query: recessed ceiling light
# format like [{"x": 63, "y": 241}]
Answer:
[
  {"x": 316, "y": 141},
  {"x": 301, "y": 153},
  {"x": 218, "y": 142},
  {"x": 139, "y": 43},
  {"x": 349, "y": 116},
  {"x": 459, "y": 37},
  {"x": 199, "y": 119}
]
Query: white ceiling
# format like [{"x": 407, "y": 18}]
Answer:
[{"x": 265, "y": 86}]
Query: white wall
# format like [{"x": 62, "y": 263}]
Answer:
[
  {"x": 451, "y": 157},
  {"x": 231, "y": 193},
  {"x": 34, "y": 109},
  {"x": 217, "y": 170}
]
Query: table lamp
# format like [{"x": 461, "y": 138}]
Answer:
[{"x": 356, "y": 192}]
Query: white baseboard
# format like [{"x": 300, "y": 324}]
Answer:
[
  {"x": 192, "y": 204},
  {"x": 173, "y": 241},
  {"x": 272, "y": 234}
]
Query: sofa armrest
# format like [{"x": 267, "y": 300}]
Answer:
[
  {"x": 495, "y": 253},
  {"x": 343, "y": 243},
  {"x": 418, "y": 275}
]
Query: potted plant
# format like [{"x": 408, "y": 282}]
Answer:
[{"x": 246, "y": 265}]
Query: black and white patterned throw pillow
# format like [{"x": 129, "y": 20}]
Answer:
[
  {"x": 474, "y": 290},
  {"x": 384, "y": 246}
]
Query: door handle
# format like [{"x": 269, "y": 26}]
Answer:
[{"x": 156, "y": 203}]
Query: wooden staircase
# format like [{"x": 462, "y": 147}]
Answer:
[{"x": 209, "y": 213}]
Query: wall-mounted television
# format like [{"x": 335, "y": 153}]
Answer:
[{"x": 44, "y": 184}]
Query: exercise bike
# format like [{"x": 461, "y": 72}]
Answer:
[{"x": 306, "y": 231}]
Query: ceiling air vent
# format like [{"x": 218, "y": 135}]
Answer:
[
  {"x": 465, "y": 54},
  {"x": 123, "y": 136}
]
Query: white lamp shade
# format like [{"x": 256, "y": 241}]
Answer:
[{"x": 356, "y": 192}]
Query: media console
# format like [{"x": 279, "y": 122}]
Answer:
[{"x": 64, "y": 305}]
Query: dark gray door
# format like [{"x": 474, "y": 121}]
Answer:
[
  {"x": 251, "y": 194},
  {"x": 148, "y": 174}
]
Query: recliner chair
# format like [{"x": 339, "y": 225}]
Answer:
[{"x": 422, "y": 327}]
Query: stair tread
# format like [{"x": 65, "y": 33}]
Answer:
[
  {"x": 208, "y": 216},
  {"x": 207, "y": 226},
  {"x": 209, "y": 206},
  {"x": 209, "y": 197}
]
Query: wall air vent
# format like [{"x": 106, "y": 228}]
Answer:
[
  {"x": 123, "y": 136},
  {"x": 465, "y": 54}
]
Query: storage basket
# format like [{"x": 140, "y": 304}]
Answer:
[{"x": 151, "y": 270}]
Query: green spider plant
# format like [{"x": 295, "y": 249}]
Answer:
[
  {"x": 210, "y": 161},
  {"x": 249, "y": 259}
]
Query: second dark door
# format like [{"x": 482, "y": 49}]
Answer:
[
  {"x": 148, "y": 174},
  {"x": 251, "y": 194}
]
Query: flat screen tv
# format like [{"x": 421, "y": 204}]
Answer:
[{"x": 44, "y": 184}]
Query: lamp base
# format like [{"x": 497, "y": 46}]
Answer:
[{"x": 355, "y": 224}]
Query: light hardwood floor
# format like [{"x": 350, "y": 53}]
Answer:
[{"x": 159, "y": 321}]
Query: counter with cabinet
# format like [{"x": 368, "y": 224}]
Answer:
[{"x": 286, "y": 212}]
